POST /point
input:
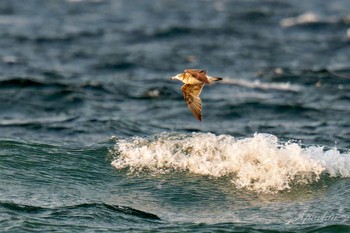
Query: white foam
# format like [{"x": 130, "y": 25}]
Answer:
[
  {"x": 259, "y": 163},
  {"x": 308, "y": 17},
  {"x": 257, "y": 84}
]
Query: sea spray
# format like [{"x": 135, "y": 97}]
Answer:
[{"x": 259, "y": 163}]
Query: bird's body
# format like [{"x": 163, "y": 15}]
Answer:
[{"x": 194, "y": 81}]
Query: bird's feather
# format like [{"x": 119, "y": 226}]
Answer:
[
  {"x": 191, "y": 95},
  {"x": 198, "y": 74}
]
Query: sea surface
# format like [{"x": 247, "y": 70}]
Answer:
[{"x": 94, "y": 137}]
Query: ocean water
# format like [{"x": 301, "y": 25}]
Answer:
[{"x": 94, "y": 137}]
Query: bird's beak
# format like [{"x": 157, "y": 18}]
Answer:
[{"x": 175, "y": 78}]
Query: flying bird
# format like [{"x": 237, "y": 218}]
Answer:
[{"x": 194, "y": 82}]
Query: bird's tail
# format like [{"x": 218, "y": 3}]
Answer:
[{"x": 213, "y": 79}]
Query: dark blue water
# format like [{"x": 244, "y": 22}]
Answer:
[{"x": 94, "y": 137}]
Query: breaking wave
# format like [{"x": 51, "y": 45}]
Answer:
[{"x": 260, "y": 163}]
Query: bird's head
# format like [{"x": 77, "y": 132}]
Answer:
[{"x": 179, "y": 77}]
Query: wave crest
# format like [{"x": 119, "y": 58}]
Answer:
[{"x": 260, "y": 163}]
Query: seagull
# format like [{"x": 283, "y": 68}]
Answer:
[{"x": 194, "y": 81}]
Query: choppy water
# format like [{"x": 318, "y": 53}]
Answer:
[{"x": 94, "y": 136}]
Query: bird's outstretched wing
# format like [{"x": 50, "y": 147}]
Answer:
[
  {"x": 191, "y": 94},
  {"x": 195, "y": 70},
  {"x": 200, "y": 75}
]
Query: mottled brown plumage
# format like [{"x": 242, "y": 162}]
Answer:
[
  {"x": 191, "y": 94},
  {"x": 194, "y": 82}
]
